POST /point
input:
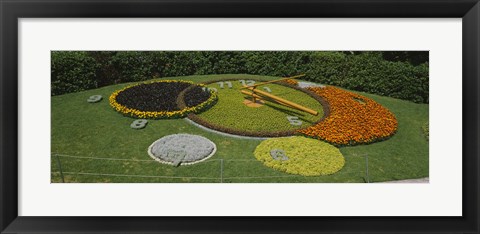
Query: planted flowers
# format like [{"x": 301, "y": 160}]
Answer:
[{"x": 158, "y": 99}]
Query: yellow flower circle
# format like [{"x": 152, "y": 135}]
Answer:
[{"x": 300, "y": 156}]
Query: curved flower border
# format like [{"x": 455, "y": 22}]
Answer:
[
  {"x": 161, "y": 114},
  {"x": 353, "y": 119}
]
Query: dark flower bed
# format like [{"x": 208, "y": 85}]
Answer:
[
  {"x": 159, "y": 96},
  {"x": 159, "y": 99},
  {"x": 195, "y": 96}
]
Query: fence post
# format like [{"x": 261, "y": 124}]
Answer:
[
  {"x": 59, "y": 164},
  {"x": 366, "y": 160},
  {"x": 221, "y": 170}
]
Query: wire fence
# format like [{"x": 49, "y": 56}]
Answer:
[{"x": 63, "y": 169}]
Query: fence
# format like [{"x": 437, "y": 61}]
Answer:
[{"x": 226, "y": 171}]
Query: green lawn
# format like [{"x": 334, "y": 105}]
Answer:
[{"x": 95, "y": 131}]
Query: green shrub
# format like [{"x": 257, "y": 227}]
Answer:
[
  {"x": 327, "y": 67},
  {"x": 106, "y": 73},
  {"x": 276, "y": 63},
  {"x": 133, "y": 65},
  {"x": 394, "y": 79},
  {"x": 220, "y": 62},
  {"x": 369, "y": 72},
  {"x": 362, "y": 71},
  {"x": 72, "y": 71}
]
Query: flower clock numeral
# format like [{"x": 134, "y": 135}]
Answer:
[
  {"x": 248, "y": 82},
  {"x": 139, "y": 123},
  {"x": 267, "y": 89},
  {"x": 176, "y": 156},
  {"x": 221, "y": 84},
  {"x": 94, "y": 98},
  {"x": 278, "y": 154},
  {"x": 294, "y": 120},
  {"x": 207, "y": 89}
]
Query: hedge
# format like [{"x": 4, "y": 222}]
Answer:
[
  {"x": 72, "y": 71},
  {"x": 372, "y": 72}
]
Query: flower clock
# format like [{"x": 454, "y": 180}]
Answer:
[{"x": 302, "y": 129}]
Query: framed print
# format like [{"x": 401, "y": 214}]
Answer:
[{"x": 264, "y": 116}]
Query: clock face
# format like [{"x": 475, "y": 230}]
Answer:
[{"x": 237, "y": 113}]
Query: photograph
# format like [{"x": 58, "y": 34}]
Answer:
[
  {"x": 239, "y": 116},
  {"x": 278, "y": 116}
]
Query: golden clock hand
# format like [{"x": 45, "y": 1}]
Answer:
[
  {"x": 280, "y": 100},
  {"x": 273, "y": 81}
]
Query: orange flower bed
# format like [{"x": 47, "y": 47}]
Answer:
[{"x": 353, "y": 119}]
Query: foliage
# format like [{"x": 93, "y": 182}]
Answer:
[
  {"x": 133, "y": 66},
  {"x": 413, "y": 57},
  {"x": 72, "y": 71},
  {"x": 231, "y": 115},
  {"x": 353, "y": 119},
  {"x": 306, "y": 156},
  {"x": 145, "y": 100},
  {"x": 275, "y": 63},
  {"x": 106, "y": 73},
  {"x": 368, "y": 72},
  {"x": 401, "y": 74}
]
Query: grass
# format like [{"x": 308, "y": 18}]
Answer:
[
  {"x": 97, "y": 131},
  {"x": 230, "y": 112}
]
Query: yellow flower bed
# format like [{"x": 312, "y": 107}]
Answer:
[
  {"x": 161, "y": 114},
  {"x": 307, "y": 157}
]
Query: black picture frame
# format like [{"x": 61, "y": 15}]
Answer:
[{"x": 11, "y": 11}]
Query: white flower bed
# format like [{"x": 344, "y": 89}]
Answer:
[{"x": 181, "y": 149}]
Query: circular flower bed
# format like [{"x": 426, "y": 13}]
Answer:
[
  {"x": 231, "y": 115},
  {"x": 182, "y": 149},
  {"x": 300, "y": 156},
  {"x": 158, "y": 99},
  {"x": 353, "y": 119}
]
